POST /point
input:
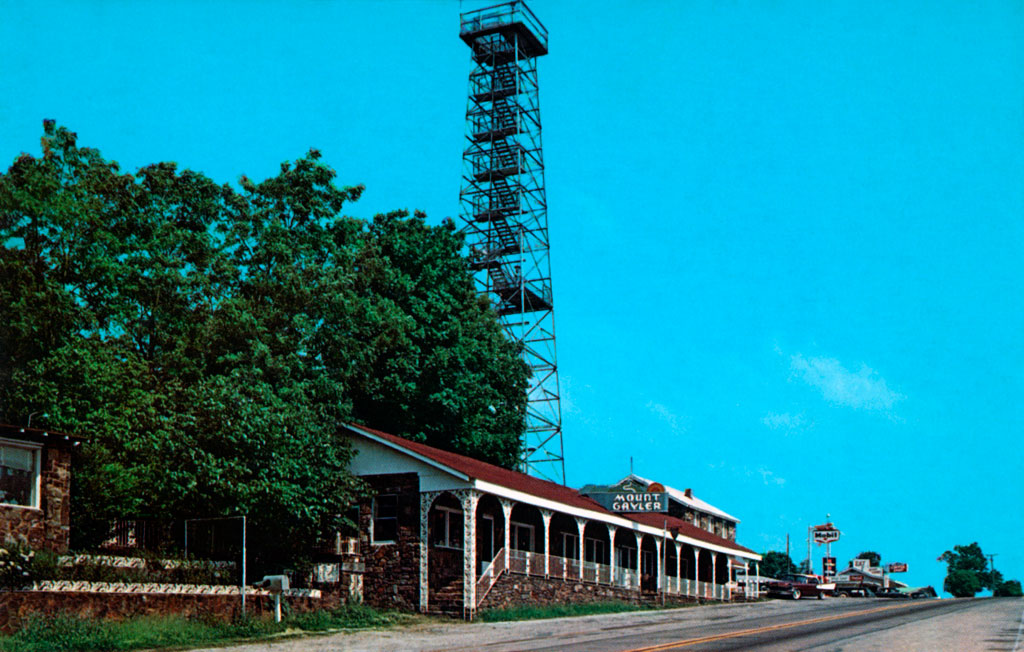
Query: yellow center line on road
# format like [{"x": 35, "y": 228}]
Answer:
[{"x": 760, "y": 630}]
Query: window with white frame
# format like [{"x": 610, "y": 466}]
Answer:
[
  {"x": 446, "y": 527},
  {"x": 19, "y": 474},
  {"x": 522, "y": 537},
  {"x": 570, "y": 546},
  {"x": 385, "y": 519},
  {"x": 593, "y": 550}
]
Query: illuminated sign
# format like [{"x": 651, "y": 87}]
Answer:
[{"x": 826, "y": 536}]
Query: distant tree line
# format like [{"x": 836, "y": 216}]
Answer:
[
  {"x": 970, "y": 571},
  {"x": 207, "y": 340}
]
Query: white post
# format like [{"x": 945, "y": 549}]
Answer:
[
  {"x": 639, "y": 543},
  {"x": 545, "y": 515},
  {"x": 506, "y": 509},
  {"x": 714, "y": 573},
  {"x": 426, "y": 500},
  {"x": 757, "y": 587},
  {"x": 469, "y": 501},
  {"x": 277, "y": 607},
  {"x": 611, "y": 552},
  {"x": 581, "y": 525}
]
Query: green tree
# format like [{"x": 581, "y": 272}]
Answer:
[
  {"x": 962, "y": 583},
  {"x": 208, "y": 341},
  {"x": 1009, "y": 588},
  {"x": 776, "y": 564},
  {"x": 874, "y": 559},
  {"x": 967, "y": 571}
]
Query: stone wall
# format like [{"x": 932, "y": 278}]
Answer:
[
  {"x": 49, "y": 527},
  {"x": 16, "y": 606},
  {"x": 391, "y": 580},
  {"x": 513, "y": 590}
]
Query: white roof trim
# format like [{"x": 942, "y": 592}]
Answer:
[
  {"x": 610, "y": 519},
  {"x": 405, "y": 451},
  {"x": 693, "y": 501}
]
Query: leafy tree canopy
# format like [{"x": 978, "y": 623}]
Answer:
[
  {"x": 1008, "y": 589},
  {"x": 776, "y": 564},
  {"x": 873, "y": 558},
  {"x": 968, "y": 571},
  {"x": 208, "y": 340}
]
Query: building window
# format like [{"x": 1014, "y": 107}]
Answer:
[
  {"x": 446, "y": 527},
  {"x": 593, "y": 550},
  {"x": 522, "y": 537},
  {"x": 385, "y": 519},
  {"x": 19, "y": 475},
  {"x": 570, "y": 546}
]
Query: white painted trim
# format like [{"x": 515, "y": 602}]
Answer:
[
  {"x": 406, "y": 451},
  {"x": 657, "y": 532},
  {"x": 36, "y": 495}
]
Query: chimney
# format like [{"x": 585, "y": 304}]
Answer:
[{"x": 688, "y": 493}]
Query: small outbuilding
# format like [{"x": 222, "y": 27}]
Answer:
[{"x": 35, "y": 486}]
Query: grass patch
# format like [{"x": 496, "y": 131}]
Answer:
[
  {"x": 559, "y": 611},
  {"x": 67, "y": 633}
]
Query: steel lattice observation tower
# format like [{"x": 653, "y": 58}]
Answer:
[{"x": 504, "y": 209}]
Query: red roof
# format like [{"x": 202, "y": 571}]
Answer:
[
  {"x": 686, "y": 529},
  {"x": 494, "y": 474},
  {"x": 543, "y": 489}
]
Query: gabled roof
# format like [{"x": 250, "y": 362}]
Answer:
[
  {"x": 514, "y": 480},
  {"x": 682, "y": 527},
  {"x": 690, "y": 500},
  {"x": 491, "y": 473}
]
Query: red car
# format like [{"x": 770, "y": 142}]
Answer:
[{"x": 797, "y": 586}]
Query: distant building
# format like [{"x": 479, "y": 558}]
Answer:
[
  {"x": 35, "y": 486},
  {"x": 681, "y": 504},
  {"x": 444, "y": 532}
]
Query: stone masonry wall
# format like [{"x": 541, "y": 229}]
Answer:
[
  {"x": 49, "y": 527},
  {"x": 512, "y": 590},
  {"x": 16, "y": 606},
  {"x": 391, "y": 580}
]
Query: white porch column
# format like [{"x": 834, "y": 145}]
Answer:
[
  {"x": 757, "y": 587},
  {"x": 581, "y": 525},
  {"x": 611, "y": 551},
  {"x": 714, "y": 574},
  {"x": 639, "y": 561},
  {"x": 658, "y": 565},
  {"x": 545, "y": 515},
  {"x": 679, "y": 567},
  {"x": 469, "y": 499},
  {"x": 696, "y": 570},
  {"x": 426, "y": 500},
  {"x": 506, "y": 509}
]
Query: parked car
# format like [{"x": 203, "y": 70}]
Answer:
[
  {"x": 797, "y": 586},
  {"x": 891, "y": 592}
]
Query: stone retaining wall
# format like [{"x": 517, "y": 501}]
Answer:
[
  {"x": 17, "y": 606},
  {"x": 513, "y": 590}
]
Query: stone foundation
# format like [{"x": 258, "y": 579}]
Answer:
[
  {"x": 512, "y": 590},
  {"x": 17, "y": 606}
]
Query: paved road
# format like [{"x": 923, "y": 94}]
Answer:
[{"x": 855, "y": 625}]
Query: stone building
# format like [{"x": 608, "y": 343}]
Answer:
[
  {"x": 448, "y": 533},
  {"x": 682, "y": 504},
  {"x": 35, "y": 486}
]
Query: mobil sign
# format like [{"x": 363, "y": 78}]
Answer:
[{"x": 825, "y": 533}]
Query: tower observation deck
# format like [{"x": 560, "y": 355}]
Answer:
[{"x": 504, "y": 209}]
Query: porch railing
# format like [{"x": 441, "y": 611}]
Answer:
[
  {"x": 526, "y": 563},
  {"x": 490, "y": 576}
]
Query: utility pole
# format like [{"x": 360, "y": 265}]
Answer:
[{"x": 992, "y": 570}]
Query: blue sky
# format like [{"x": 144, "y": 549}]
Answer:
[{"x": 786, "y": 235}]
